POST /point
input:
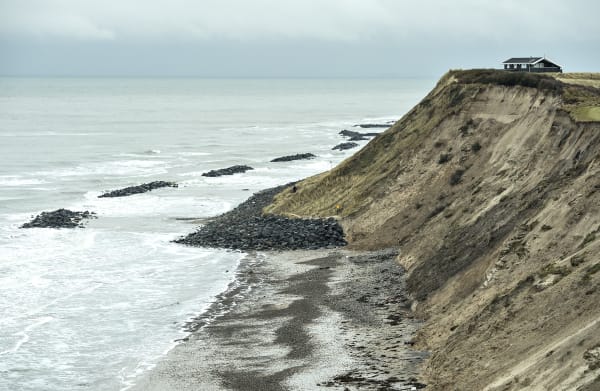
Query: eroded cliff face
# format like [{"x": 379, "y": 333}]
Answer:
[{"x": 492, "y": 194}]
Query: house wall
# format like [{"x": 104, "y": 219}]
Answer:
[{"x": 539, "y": 67}]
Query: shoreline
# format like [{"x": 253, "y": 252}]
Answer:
[{"x": 300, "y": 320}]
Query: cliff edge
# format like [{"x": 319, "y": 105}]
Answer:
[{"x": 490, "y": 188}]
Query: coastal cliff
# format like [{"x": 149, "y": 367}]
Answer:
[{"x": 490, "y": 189}]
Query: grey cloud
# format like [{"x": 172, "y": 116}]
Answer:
[
  {"x": 291, "y": 38},
  {"x": 334, "y": 20}
]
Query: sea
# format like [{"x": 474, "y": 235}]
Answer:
[{"x": 94, "y": 308}]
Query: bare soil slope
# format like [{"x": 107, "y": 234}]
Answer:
[{"x": 490, "y": 187}]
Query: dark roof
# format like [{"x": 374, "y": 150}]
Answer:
[{"x": 523, "y": 60}]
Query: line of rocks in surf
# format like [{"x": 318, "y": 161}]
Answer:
[
  {"x": 344, "y": 146},
  {"x": 352, "y": 135},
  {"x": 60, "y": 218},
  {"x": 357, "y": 136},
  {"x": 246, "y": 228},
  {"x": 143, "y": 188},
  {"x": 65, "y": 218},
  {"x": 298, "y": 156},
  {"x": 367, "y": 126},
  {"x": 228, "y": 171},
  {"x": 264, "y": 232}
]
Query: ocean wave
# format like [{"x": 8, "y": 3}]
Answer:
[
  {"x": 193, "y": 153},
  {"x": 24, "y": 336},
  {"x": 17, "y": 181},
  {"x": 111, "y": 168},
  {"x": 55, "y": 134},
  {"x": 158, "y": 203}
]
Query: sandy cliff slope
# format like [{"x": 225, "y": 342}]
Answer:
[{"x": 490, "y": 188}]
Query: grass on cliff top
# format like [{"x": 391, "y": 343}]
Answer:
[
  {"x": 493, "y": 76},
  {"x": 580, "y": 91},
  {"x": 584, "y": 79},
  {"x": 582, "y": 95}
]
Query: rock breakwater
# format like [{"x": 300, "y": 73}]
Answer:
[
  {"x": 60, "y": 218},
  {"x": 367, "y": 126},
  {"x": 344, "y": 146},
  {"x": 246, "y": 228},
  {"x": 298, "y": 156},
  {"x": 357, "y": 136},
  {"x": 143, "y": 188},
  {"x": 228, "y": 171}
]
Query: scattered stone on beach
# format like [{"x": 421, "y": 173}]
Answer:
[
  {"x": 246, "y": 228},
  {"x": 355, "y": 136},
  {"x": 60, "y": 218},
  {"x": 298, "y": 156},
  {"x": 228, "y": 171},
  {"x": 344, "y": 146},
  {"x": 127, "y": 191},
  {"x": 366, "y": 126}
]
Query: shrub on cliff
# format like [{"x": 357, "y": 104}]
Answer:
[{"x": 505, "y": 78}]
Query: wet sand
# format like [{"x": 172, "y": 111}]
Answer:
[{"x": 300, "y": 320}]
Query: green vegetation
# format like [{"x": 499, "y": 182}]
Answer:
[
  {"x": 577, "y": 260},
  {"x": 582, "y": 100},
  {"x": 524, "y": 79},
  {"x": 456, "y": 177},
  {"x": 554, "y": 269},
  {"x": 437, "y": 210},
  {"x": 593, "y": 269},
  {"x": 581, "y": 91},
  {"x": 589, "y": 272},
  {"x": 587, "y": 114},
  {"x": 590, "y": 237},
  {"x": 444, "y": 158},
  {"x": 581, "y": 78}
]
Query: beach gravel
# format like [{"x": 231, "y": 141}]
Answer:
[{"x": 301, "y": 320}]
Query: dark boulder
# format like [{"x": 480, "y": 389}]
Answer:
[
  {"x": 344, "y": 146},
  {"x": 138, "y": 189},
  {"x": 228, "y": 171},
  {"x": 60, "y": 218},
  {"x": 298, "y": 156}
]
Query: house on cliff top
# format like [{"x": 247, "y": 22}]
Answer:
[{"x": 531, "y": 64}]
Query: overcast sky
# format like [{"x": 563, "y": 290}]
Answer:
[{"x": 291, "y": 38}]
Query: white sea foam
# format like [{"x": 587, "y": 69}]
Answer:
[
  {"x": 15, "y": 181},
  {"x": 24, "y": 336},
  {"x": 53, "y": 134},
  {"x": 162, "y": 202},
  {"x": 194, "y": 153},
  {"x": 115, "y": 168}
]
